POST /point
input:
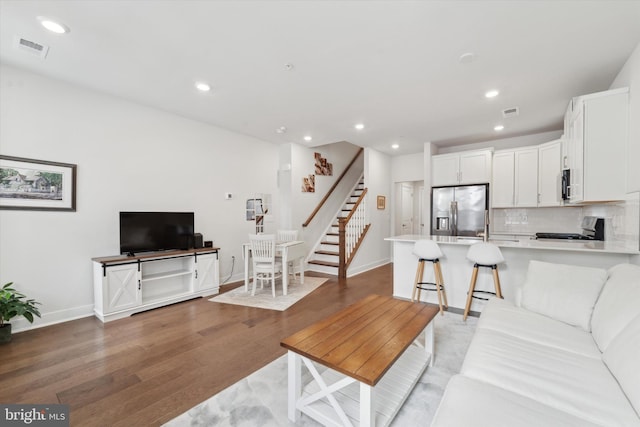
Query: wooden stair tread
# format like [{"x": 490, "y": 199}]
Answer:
[
  {"x": 329, "y": 243},
  {"x": 327, "y": 253},
  {"x": 325, "y": 263}
]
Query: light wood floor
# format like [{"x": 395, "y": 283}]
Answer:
[{"x": 147, "y": 369}]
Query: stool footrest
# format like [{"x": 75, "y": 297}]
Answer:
[
  {"x": 482, "y": 292},
  {"x": 434, "y": 286}
]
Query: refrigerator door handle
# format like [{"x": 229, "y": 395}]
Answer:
[{"x": 454, "y": 218}]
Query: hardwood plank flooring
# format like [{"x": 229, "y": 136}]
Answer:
[{"x": 151, "y": 367}]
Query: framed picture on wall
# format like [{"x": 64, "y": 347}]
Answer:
[
  {"x": 381, "y": 202},
  {"x": 29, "y": 184}
]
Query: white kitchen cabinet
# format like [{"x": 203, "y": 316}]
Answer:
[
  {"x": 597, "y": 131},
  {"x": 124, "y": 285},
  {"x": 502, "y": 187},
  {"x": 550, "y": 173},
  {"x": 467, "y": 167},
  {"x": 526, "y": 177},
  {"x": 515, "y": 178}
]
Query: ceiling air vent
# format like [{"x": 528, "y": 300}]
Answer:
[
  {"x": 510, "y": 112},
  {"x": 32, "y": 47}
]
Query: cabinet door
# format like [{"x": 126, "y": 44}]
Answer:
[
  {"x": 550, "y": 174},
  {"x": 121, "y": 288},
  {"x": 526, "y": 178},
  {"x": 576, "y": 155},
  {"x": 605, "y": 139},
  {"x": 475, "y": 167},
  {"x": 206, "y": 272},
  {"x": 444, "y": 169},
  {"x": 503, "y": 178}
]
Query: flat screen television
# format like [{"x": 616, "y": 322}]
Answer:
[{"x": 155, "y": 231}]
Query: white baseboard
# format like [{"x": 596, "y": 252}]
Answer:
[
  {"x": 370, "y": 266},
  {"x": 51, "y": 318}
]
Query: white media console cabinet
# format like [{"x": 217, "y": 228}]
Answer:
[{"x": 124, "y": 285}]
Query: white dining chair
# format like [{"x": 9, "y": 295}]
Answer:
[
  {"x": 289, "y": 236},
  {"x": 265, "y": 266}
]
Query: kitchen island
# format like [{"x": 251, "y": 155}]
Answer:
[{"x": 517, "y": 252}]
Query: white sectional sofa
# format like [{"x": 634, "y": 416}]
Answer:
[{"x": 568, "y": 354}]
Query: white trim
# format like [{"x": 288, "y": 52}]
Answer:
[{"x": 52, "y": 318}]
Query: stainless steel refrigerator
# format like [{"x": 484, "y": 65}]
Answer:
[{"x": 459, "y": 210}]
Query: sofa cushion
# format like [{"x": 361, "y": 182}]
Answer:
[
  {"x": 563, "y": 292},
  {"x": 580, "y": 386},
  {"x": 622, "y": 358},
  {"x": 503, "y": 316},
  {"x": 468, "y": 402},
  {"x": 617, "y": 305}
]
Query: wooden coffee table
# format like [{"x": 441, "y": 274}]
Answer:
[{"x": 372, "y": 343}]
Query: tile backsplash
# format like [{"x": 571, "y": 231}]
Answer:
[
  {"x": 534, "y": 220},
  {"x": 622, "y": 220}
]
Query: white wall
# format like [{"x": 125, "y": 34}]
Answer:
[
  {"x": 303, "y": 203},
  {"x": 129, "y": 157},
  {"x": 505, "y": 143},
  {"x": 376, "y": 251},
  {"x": 409, "y": 167}
]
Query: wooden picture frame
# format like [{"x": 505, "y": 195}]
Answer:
[
  {"x": 381, "y": 202},
  {"x": 29, "y": 184}
]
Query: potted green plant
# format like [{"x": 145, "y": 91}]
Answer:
[{"x": 12, "y": 304}]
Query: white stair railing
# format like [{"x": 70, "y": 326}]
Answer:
[{"x": 350, "y": 233}]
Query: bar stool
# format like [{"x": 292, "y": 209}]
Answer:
[
  {"x": 483, "y": 255},
  {"x": 428, "y": 250}
]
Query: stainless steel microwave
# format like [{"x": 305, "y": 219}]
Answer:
[{"x": 566, "y": 184}]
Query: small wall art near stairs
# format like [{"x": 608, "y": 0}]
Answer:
[{"x": 326, "y": 256}]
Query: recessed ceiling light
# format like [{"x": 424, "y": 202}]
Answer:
[
  {"x": 491, "y": 94},
  {"x": 53, "y": 26},
  {"x": 498, "y": 128},
  {"x": 359, "y": 126},
  {"x": 288, "y": 66},
  {"x": 203, "y": 87},
  {"x": 395, "y": 146},
  {"x": 281, "y": 129},
  {"x": 307, "y": 138}
]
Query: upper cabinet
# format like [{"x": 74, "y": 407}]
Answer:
[
  {"x": 596, "y": 129},
  {"x": 515, "y": 178},
  {"x": 527, "y": 176},
  {"x": 550, "y": 173},
  {"x": 467, "y": 167}
]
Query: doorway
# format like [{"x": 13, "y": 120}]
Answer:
[{"x": 409, "y": 208}]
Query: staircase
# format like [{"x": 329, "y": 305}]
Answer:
[{"x": 326, "y": 257}]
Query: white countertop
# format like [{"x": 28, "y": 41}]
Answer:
[{"x": 525, "y": 243}]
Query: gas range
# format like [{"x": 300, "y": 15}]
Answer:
[
  {"x": 563, "y": 236},
  {"x": 592, "y": 229}
]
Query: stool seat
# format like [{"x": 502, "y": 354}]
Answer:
[
  {"x": 483, "y": 253},
  {"x": 488, "y": 255},
  {"x": 429, "y": 251}
]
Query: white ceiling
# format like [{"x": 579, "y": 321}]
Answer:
[{"x": 393, "y": 65}]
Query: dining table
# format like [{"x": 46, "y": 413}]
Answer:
[{"x": 286, "y": 251}]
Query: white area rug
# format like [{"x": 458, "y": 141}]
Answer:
[
  {"x": 261, "y": 398},
  {"x": 264, "y": 298}
]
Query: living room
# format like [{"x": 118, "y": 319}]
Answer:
[{"x": 133, "y": 156}]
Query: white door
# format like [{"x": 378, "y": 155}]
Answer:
[
  {"x": 406, "y": 208},
  {"x": 421, "y": 210}
]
